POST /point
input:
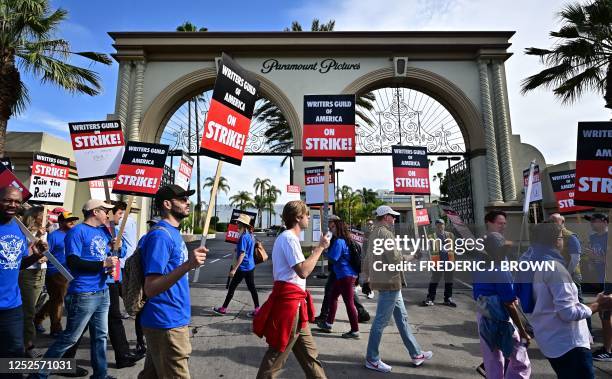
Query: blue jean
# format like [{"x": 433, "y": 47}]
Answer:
[
  {"x": 82, "y": 309},
  {"x": 11, "y": 335},
  {"x": 391, "y": 302}
]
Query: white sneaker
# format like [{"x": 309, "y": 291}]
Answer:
[
  {"x": 419, "y": 359},
  {"x": 379, "y": 365}
]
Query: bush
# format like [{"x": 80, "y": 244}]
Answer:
[{"x": 222, "y": 227}]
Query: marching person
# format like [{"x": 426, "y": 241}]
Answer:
[
  {"x": 443, "y": 245},
  {"x": 389, "y": 286},
  {"x": 88, "y": 248},
  {"x": 116, "y": 331},
  {"x": 596, "y": 251},
  {"x": 56, "y": 283},
  {"x": 14, "y": 248},
  {"x": 284, "y": 317},
  {"x": 244, "y": 267},
  {"x": 550, "y": 300},
  {"x": 344, "y": 284},
  {"x": 167, "y": 312},
  {"x": 32, "y": 280}
]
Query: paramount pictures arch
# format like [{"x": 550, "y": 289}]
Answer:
[{"x": 464, "y": 71}]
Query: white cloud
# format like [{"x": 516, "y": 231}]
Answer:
[
  {"x": 538, "y": 117},
  {"x": 38, "y": 120}
]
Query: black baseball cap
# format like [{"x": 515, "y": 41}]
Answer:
[
  {"x": 597, "y": 216},
  {"x": 170, "y": 192}
]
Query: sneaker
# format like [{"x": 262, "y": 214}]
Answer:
[
  {"x": 320, "y": 318},
  {"x": 31, "y": 352},
  {"x": 427, "y": 303},
  {"x": 363, "y": 317},
  {"x": 419, "y": 359},
  {"x": 371, "y": 296},
  {"x": 378, "y": 365},
  {"x": 481, "y": 370},
  {"x": 351, "y": 334},
  {"x": 602, "y": 356},
  {"x": 253, "y": 312},
  {"x": 220, "y": 311},
  {"x": 79, "y": 373},
  {"x": 39, "y": 328},
  {"x": 324, "y": 327},
  {"x": 450, "y": 303}
]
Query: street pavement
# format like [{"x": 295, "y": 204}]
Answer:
[{"x": 225, "y": 347}]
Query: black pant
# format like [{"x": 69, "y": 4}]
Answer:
[
  {"x": 249, "y": 277},
  {"x": 331, "y": 278},
  {"x": 11, "y": 335},
  {"x": 116, "y": 331},
  {"x": 575, "y": 364},
  {"x": 433, "y": 284}
]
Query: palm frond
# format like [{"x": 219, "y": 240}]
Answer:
[{"x": 575, "y": 86}]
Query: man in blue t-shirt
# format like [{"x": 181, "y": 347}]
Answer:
[
  {"x": 55, "y": 282},
  {"x": 167, "y": 312},
  {"x": 13, "y": 257},
  {"x": 88, "y": 247},
  {"x": 598, "y": 246}
]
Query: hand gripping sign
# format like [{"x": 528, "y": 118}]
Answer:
[
  {"x": 594, "y": 164},
  {"x": 49, "y": 179},
  {"x": 141, "y": 169},
  {"x": 410, "y": 170},
  {"x": 229, "y": 118},
  {"x": 329, "y": 128},
  {"x": 98, "y": 148}
]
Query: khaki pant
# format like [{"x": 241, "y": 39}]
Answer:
[
  {"x": 303, "y": 346},
  {"x": 57, "y": 286},
  {"x": 31, "y": 283},
  {"x": 167, "y": 354}
]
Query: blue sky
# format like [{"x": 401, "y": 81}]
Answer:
[{"x": 537, "y": 117}]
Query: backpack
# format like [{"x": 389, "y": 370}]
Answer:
[
  {"x": 132, "y": 288},
  {"x": 355, "y": 255},
  {"x": 259, "y": 253}
]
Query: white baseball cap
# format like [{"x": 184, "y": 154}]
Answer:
[{"x": 386, "y": 210}]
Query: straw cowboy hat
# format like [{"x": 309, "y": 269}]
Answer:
[{"x": 244, "y": 219}]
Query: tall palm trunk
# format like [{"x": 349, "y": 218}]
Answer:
[
  {"x": 608, "y": 94},
  {"x": 10, "y": 91},
  {"x": 3, "y": 126}
]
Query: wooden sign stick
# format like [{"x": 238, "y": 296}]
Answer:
[{"x": 211, "y": 206}]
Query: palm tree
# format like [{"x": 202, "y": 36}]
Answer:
[
  {"x": 580, "y": 60},
  {"x": 260, "y": 203},
  {"x": 189, "y": 27},
  {"x": 27, "y": 29},
  {"x": 222, "y": 186},
  {"x": 272, "y": 194},
  {"x": 243, "y": 200},
  {"x": 368, "y": 195},
  {"x": 260, "y": 186},
  {"x": 278, "y": 134}
]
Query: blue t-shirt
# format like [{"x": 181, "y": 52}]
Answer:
[
  {"x": 89, "y": 243},
  {"x": 57, "y": 248},
  {"x": 162, "y": 252},
  {"x": 340, "y": 255},
  {"x": 246, "y": 244},
  {"x": 13, "y": 247},
  {"x": 491, "y": 283},
  {"x": 599, "y": 244}
]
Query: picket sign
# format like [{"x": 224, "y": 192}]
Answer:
[
  {"x": 211, "y": 207},
  {"x": 47, "y": 253},
  {"x": 526, "y": 202}
]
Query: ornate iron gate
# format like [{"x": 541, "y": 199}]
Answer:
[{"x": 460, "y": 190}]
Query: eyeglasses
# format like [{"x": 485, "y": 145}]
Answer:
[{"x": 105, "y": 210}]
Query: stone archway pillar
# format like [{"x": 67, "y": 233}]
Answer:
[
  {"x": 504, "y": 131},
  {"x": 494, "y": 190},
  {"x": 134, "y": 130}
]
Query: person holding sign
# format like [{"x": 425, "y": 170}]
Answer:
[
  {"x": 442, "y": 250},
  {"x": 13, "y": 257},
  {"x": 165, "y": 262},
  {"x": 244, "y": 268},
  {"x": 284, "y": 317},
  {"x": 88, "y": 248},
  {"x": 55, "y": 282}
]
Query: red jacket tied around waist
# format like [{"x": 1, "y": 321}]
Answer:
[{"x": 274, "y": 320}]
